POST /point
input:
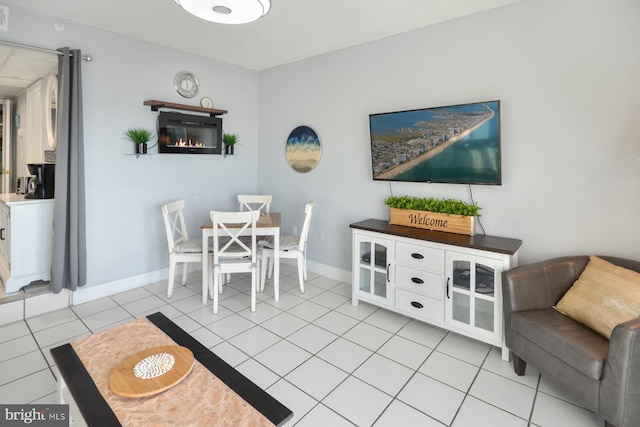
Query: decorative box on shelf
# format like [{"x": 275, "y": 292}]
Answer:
[{"x": 450, "y": 223}]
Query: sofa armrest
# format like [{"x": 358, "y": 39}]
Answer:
[{"x": 620, "y": 385}]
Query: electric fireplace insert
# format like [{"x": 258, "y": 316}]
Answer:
[{"x": 189, "y": 134}]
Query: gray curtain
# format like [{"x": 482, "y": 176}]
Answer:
[{"x": 69, "y": 264}]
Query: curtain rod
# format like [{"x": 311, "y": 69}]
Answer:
[{"x": 87, "y": 58}]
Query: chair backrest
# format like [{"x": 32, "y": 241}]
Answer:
[
  {"x": 304, "y": 234},
  {"x": 228, "y": 228},
  {"x": 174, "y": 223},
  {"x": 254, "y": 202}
]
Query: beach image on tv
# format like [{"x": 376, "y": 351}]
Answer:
[{"x": 454, "y": 144}]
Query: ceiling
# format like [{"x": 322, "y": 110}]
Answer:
[
  {"x": 291, "y": 31},
  {"x": 19, "y": 68}
]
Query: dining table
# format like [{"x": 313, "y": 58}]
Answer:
[{"x": 268, "y": 224}]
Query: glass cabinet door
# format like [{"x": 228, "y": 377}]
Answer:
[
  {"x": 372, "y": 277},
  {"x": 471, "y": 291}
]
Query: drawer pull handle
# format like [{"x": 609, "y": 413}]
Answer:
[
  {"x": 448, "y": 296},
  {"x": 416, "y": 304},
  {"x": 417, "y": 256},
  {"x": 388, "y": 279},
  {"x": 2, "y": 230},
  {"x": 417, "y": 280}
]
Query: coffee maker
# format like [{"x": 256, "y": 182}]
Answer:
[{"x": 41, "y": 184}]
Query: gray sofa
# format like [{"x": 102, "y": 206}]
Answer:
[{"x": 603, "y": 375}]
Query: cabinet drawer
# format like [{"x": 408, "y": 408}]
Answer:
[
  {"x": 420, "y": 281},
  {"x": 419, "y": 305},
  {"x": 420, "y": 257}
]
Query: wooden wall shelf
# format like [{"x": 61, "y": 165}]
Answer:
[{"x": 156, "y": 105}]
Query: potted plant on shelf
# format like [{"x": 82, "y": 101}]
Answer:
[
  {"x": 229, "y": 140},
  {"x": 139, "y": 137},
  {"x": 450, "y": 215}
]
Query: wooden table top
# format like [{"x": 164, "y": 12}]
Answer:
[{"x": 272, "y": 219}]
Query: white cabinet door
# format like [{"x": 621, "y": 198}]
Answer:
[
  {"x": 372, "y": 275},
  {"x": 472, "y": 290},
  {"x": 26, "y": 240}
]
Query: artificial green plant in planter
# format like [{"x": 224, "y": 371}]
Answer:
[
  {"x": 450, "y": 215},
  {"x": 431, "y": 204},
  {"x": 229, "y": 140},
  {"x": 140, "y": 137}
]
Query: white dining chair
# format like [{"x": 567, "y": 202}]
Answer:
[
  {"x": 231, "y": 254},
  {"x": 254, "y": 202},
  {"x": 182, "y": 249},
  {"x": 292, "y": 247}
]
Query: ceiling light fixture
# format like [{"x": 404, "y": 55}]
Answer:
[{"x": 227, "y": 11}]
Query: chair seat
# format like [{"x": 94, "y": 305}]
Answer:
[
  {"x": 565, "y": 338},
  {"x": 191, "y": 246},
  {"x": 286, "y": 243}
]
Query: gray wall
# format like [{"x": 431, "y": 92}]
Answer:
[{"x": 566, "y": 73}]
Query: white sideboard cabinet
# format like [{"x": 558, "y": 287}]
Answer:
[
  {"x": 452, "y": 281},
  {"x": 26, "y": 240}
]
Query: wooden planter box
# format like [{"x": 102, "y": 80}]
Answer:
[{"x": 434, "y": 221}]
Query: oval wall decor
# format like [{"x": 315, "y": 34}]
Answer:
[{"x": 303, "y": 149}]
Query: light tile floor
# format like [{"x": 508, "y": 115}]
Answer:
[{"x": 331, "y": 363}]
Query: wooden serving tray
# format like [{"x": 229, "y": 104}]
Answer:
[{"x": 124, "y": 383}]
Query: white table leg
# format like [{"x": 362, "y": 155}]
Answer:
[
  {"x": 205, "y": 265},
  {"x": 276, "y": 264}
]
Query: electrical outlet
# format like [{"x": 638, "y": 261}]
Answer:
[
  {"x": 321, "y": 236},
  {"x": 4, "y": 18},
  {"x": 294, "y": 230}
]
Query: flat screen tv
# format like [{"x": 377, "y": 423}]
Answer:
[{"x": 457, "y": 144}]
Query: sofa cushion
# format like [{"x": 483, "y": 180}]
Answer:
[
  {"x": 563, "y": 337},
  {"x": 604, "y": 296}
]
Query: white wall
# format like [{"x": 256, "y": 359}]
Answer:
[
  {"x": 125, "y": 232},
  {"x": 566, "y": 73}
]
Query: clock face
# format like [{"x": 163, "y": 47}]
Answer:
[{"x": 186, "y": 84}]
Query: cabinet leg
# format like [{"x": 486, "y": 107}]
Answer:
[
  {"x": 354, "y": 301},
  {"x": 505, "y": 353}
]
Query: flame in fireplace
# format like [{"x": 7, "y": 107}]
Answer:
[{"x": 188, "y": 143}]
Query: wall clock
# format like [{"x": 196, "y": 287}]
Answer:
[{"x": 186, "y": 84}]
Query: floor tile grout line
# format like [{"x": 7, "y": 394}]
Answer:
[
  {"x": 40, "y": 351},
  {"x": 48, "y": 368},
  {"x": 481, "y": 368},
  {"x": 535, "y": 398},
  {"x": 351, "y": 374}
]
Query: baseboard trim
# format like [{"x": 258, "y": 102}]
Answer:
[
  {"x": 328, "y": 271},
  {"x": 94, "y": 292}
]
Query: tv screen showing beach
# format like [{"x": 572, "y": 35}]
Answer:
[{"x": 456, "y": 144}]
